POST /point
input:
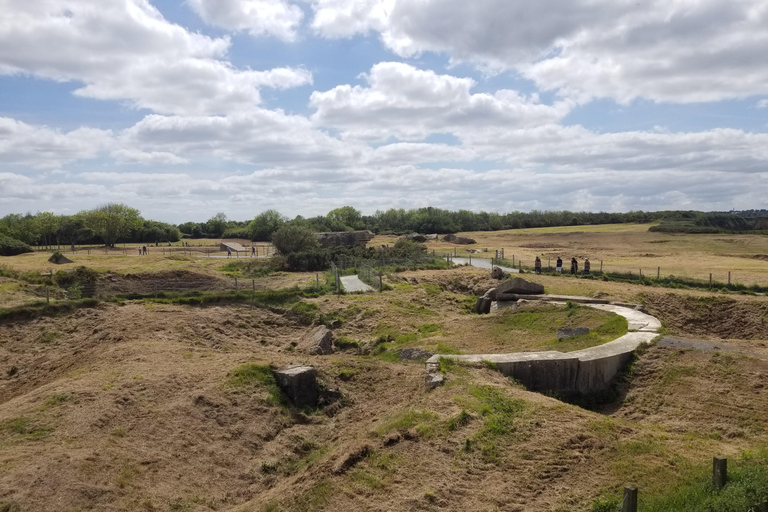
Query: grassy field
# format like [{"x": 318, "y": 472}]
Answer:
[
  {"x": 625, "y": 248},
  {"x": 165, "y": 404}
]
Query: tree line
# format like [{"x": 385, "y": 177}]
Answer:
[
  {"x": 401, "y": 221},
  {"x": 107, "y": 224},
  {"x": 114, "y": 222}
]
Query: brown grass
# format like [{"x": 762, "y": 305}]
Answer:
[{"x": 627, "y": 247}]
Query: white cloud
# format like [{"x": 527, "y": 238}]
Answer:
[
  {"x": 762, "y": 104},
  {"x": 40, "y": 147},
  {"x": 125, "y": 155},
  {"x": 258, "y": 17},
  {"x": 262, "y": 138},
  {"x": 684, "y": 51},
  {"x": 345, "y": 18},
  {"x": 126, "y": 50},
  {"x": 408, "y": 103}
]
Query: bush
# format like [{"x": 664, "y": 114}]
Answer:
[
  {"x": 291, "y": 239},
  {"x": 11, "y": 247}
]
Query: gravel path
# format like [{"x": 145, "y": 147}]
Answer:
[
  {"x": 707, "y": 346},
  {"x": 482, "y": 263}
]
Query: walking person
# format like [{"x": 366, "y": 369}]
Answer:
[
  {"x": 144, "y": 248},
  {"x": 586, "y": 265},
  {"x": 229, "y": 252},
  {"x": 253, "y": 251},
  {"x": 559, "y": 265},
  {"x": 537, "y": 265},
  {"x": 574, "y": 266}
]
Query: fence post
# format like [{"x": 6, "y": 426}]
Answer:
[
  {"x": 630, "y": 499},
  {"x": 317, "y": 281},
  {"x": 601, "y": 266},
  {"x": 513, "y": 260},
  {"x": 719, "y": 472},
  {"x": 729, "y": 278},
  {"x": 253, "y": 285},
  {"x": 658, "y": 273},
  {"x": 381, "y": 283},
  {"x": 235, "y": 285},
  {"x": 47, "y": 297},
  {"x": 470, "y": 259},
  {"x": 710, "y": 280}
]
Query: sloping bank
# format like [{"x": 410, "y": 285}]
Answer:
[{"x": 584, "y": 372}]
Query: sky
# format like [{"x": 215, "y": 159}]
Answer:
[{"x": 183, "y": 109}]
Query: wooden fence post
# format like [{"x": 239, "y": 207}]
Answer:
[
  {"x": 710, "y": 280},
  {"x": 658, "y": 273},
  {"x": 630, "y": 499},
  {"x": 601, "y": 266},
  {"x": 47, "y": 296},
  {"x": 719, "y": 472},
  {"x": 729, "y": 278}
]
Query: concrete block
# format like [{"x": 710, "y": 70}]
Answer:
[{"x": 299, "y": 383}]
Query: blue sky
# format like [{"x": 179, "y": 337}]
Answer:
[{"x": 186, "y": 109}]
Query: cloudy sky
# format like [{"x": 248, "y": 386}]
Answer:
[{"x": 184, "y": 108}]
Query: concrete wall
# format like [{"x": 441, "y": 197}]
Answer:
[{"x": 584, "y": 371}]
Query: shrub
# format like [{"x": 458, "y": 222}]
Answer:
[
  {"x": 291, "y": 239},
  {"x": 11, "y": 247}
]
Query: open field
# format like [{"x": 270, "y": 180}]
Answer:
[
  {"x": 625, "y": 248},
  {"x": 141, "y": 405}
]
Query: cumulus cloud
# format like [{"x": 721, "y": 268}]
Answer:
[
  {"x": 126, "y": 50},
  {"x": 258, "y": 17},
  {"x": 408, "y": 103},
  {"x": 262, "y": 138},
  {"x": 345, "y": 18},
  {"x": 40, "y": 147},
  {"x": 687, "y": 51}
]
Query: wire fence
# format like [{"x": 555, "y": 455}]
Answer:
[
  {"x": 720, "y": 280},
  {"x": 210, "y": 251}
]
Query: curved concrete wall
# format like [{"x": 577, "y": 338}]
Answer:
[{"x": 583, "y": 371}]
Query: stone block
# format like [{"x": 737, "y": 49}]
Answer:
[
  {"x": 299, "y": 383},
  {"x": 483, "y": 305},
  {"x": 520, "y": 286},
  {"x": 433, "y": 380},
  {"x": 411, "y": 354},
  {"x": 318, "y": 342}
]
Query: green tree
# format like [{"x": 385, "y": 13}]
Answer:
[
  {"x": 291, "y": 239},
  {"x": 112, "y": 221},
  {"x": 261, "y": 228},
  {"x": 48, "y": 224},
  {"x": 345, "y": 218},
  {"x": 217, "y": 224}
]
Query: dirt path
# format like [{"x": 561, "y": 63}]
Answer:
[{"x": 482, "y": 263}]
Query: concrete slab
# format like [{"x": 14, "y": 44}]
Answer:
[
  {"x": 584, "y": 371},
  {"x": 354, "y": 284},
  {"x": 482, "y": 263},
  {"x": 638, "y": 321}
]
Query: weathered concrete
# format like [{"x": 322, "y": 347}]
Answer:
[
  {"x": 583, "y": 371},
  {"x": 483, "y": 305},
  {"x": 299, "y": 383},
  {"x": 411, "y": 354},
  {"x": 433, "y": 380},
  {"x": 519, "y": 286},
  {"x": 354, "y": 284},
  {"x": 233, "y": 246}
]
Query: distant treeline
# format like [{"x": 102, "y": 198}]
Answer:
[
  {"x": 117, "y": 223},
  {"x": 399, "y": 221},
  {"x": 755, "y": 221},
  {"x": 108, "y": 224}
]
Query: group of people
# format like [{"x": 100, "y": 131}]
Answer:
[{"x": 559, "y": 266}]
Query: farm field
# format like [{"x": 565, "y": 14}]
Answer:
[
  {"x": 154, "y": 405},
  {"x": 625, "y": 248}
]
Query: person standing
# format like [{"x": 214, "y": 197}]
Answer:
[
  {"x": 559, "y": 265},
  {"x": 586, "y": 265},
  {"x": 253, "y": 250},
  {"x": 574, "y": 266},
  {"x": 537, "y": 265},
  {"x": 229, "y": 252}
]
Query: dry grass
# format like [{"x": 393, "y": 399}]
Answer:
[{"x": 628, "y": 247}]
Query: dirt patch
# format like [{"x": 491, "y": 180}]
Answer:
[
  {"x": 710, "y": 316},
  {"x": 168, "y": 280}
]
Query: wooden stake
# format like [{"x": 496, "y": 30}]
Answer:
[
  {"x": 630, "y": 500},
  {"x": 719, "y": 472}
]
